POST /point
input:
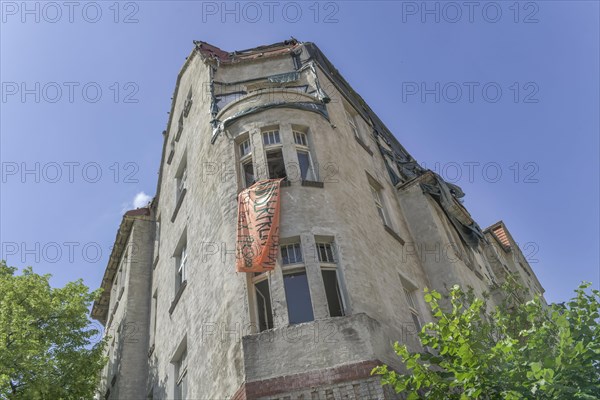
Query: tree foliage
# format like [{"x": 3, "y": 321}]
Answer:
[
  {"x": 519, "y": 350},
  {"x": 46, "y": 349}
]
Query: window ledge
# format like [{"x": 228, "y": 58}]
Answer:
[
  {"x": 316, "y": 184},
  {"x": 364, "y": 145},
  {"x": 178, "y": 205},
  {"x": 177, "y": 297},
  {"x": 394, "y": 234}
]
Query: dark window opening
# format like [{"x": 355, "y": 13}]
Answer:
[
  {"x": 332, "y": 291},
  {"x": 263, "y": 303},
  {"x": 248, "y": 171},
  {"x": 275, "y": 164},
  {"x": 297, "y": 295}
]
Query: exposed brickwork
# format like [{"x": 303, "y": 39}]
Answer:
[
  {"x": 364, "y": 389},
  {"x": 305, "y": 382}
]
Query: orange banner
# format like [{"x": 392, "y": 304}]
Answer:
[{"x": 258, "y": 227}]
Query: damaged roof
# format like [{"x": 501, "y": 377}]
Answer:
[{"x": 214, "y": 53}]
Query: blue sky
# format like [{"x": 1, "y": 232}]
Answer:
[{"x": 532, "y": 114}]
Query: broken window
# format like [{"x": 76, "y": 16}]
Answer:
[
  {"x": 332, "y": 292},
  {"x": 275, "y": 164},
  {"x": 297, "y": 294},
  {"x": 327, "y": 259},
  {"x": 248, "y": 172},
  {"x": 263, "y": 305}
]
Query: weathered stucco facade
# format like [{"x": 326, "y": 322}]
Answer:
[{"x": 364, "y": 229}]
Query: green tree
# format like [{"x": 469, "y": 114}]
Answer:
[
  {"x": 46, "y": 349},
  {"x": 519, "y": 350}
]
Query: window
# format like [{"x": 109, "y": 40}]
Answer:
[
  {"x": 325, "y": 253},
  {"x": 376, "y": 192},
  {"x": 248, "y": 173},
  {"x": 181, "y": 376},
  {"x": 351, "y": 118},
  {"x": 181, "y": 180},
  {"x": 305, "y": 163},
  {"x": 271, "y": 137},
  {"x": 275, "y": 164},
  {"x": 180, "y": 263},
  {"x": 410, "y": 293},
  {"x": 157, "y": 237},
  {"x": 247, "y": 166},
  {"x": 179, "y": 127},
  {"x": 291, "y": 254},
  {"x": 327, "y": 259},
  {"x": 300, "y": 138},
  {"x": 245, "y": 148},
  {"x": 332, "y": 292},
  {"x": 153, "y": 311},
  {"x": 263, "y": 303},
  {"x": 297, "y": 295},
  {"x": 188, "y": 103}
]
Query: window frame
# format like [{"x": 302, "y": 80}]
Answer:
[
  {"x": 351, "y": 115},
  {"x": 330, "y": 263},
  {"x": 246, "y": 159},
  {"x": 181, "y": 182},
  {"x": 271, "y": 133},
  {"x": 271, "y": 150},
  {"x": 181, "y": 370},
  {"x": 181, "y": 264},
  {"x": 296, "y": 245},
  {"x": 328, "y": 260},
  {"x": 263, "y": 277},
  {"x": 242, "y": 149},
  {"x": 409, "y": 291},
  {"x": 304, "y": 147},
  {"x": 296, "y": 269}
]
